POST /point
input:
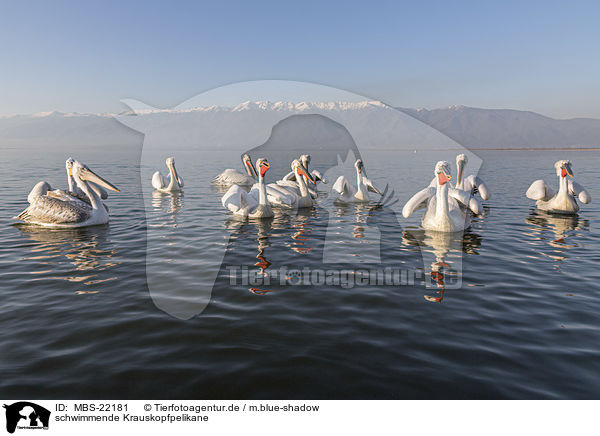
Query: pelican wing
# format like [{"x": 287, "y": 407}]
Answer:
[
  {"x": 579, "y": 191},
  {"x": 342, "y": 187},
  {"x": 159, "y": 181},
  {"x": 466, "y": 199},
  {"x": 41, "y": 188},
  {"x": 289, "y": 176},
  {"x": 236, "y": 199},
  {"x": 418, "y": 201},
  {"x": 371, "y": 187},
  {"x": 49, "y": 210},
  {"x": 474, "y": 182},
  {"x": 318, "y": 176},
  {"x": 233, "y": 177},
  {"x": 539, "y": 191},
  {"x": 278, "y": 194},
  {"x": 460, "y": 195},
  {"x": 78, "y": 199}
]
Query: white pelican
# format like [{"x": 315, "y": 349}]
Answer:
[
  {"x": 444, "y": 212},
  {"x": 565, "y": 201},
  {"x": 172, "y": 184},
  {"x": 316, "y": 175},
  {"x": 298, "y": 191},
  {"x": 348, "y": 193},
  {"x": 74, "y": 189},
  {"x": 253, "y": 204},
  {"x": 234, "y": 177},
  {"x": 471, "y": 183},
  {"x": 47, "y": 208}
]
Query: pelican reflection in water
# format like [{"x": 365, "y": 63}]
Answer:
[
  {"x": 350, "y": 238},
  {"x": 443, "y": 252},
  {"x": 559, "y": 231},
  {"x": 87, "y": 253},
  {"x": 263, "y": 228},
  {"x": 167, "y": 203}
]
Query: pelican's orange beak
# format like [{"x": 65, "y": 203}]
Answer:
[
  {"x": 443, "y": 179},
  {"x": 305, "y": 173},
  {"x": 566, "y": 170},
  {"x": 264, "y": 168}
]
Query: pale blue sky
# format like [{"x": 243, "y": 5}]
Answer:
[{"x": 87, "y": 56}]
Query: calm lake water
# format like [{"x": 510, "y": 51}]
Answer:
[{"x": 79, "y": 320}]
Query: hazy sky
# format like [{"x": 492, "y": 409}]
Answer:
[{"x": 87, "y": 56}]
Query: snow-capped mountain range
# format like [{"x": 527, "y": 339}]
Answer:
[{"x": 471, "y": 127}]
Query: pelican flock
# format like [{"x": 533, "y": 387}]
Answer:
[
  {"x": 448, "y": 207},
  {"x": 290, "y": 193},
  {"x": 68, "y": 209},
  {"x": 569, "y": 191},
  {"x": 169, "y": 184}
]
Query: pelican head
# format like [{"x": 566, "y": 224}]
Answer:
[
  {"x": 170, "y": 161},
  {"x": 263, "y": 165},
  {"x": 359, "y": 166},
  {"x": 563, "y": 167},
  {"x": 442, "y": 172},
  {"x": 305, "y": 159},
  {"x": 301, "y": 169},
  {"x": 69, "y": 165},
  {"x": 248, "y": 164},
  {"x": 82, "y": 172},
  {"x": 318, "y": 176}
]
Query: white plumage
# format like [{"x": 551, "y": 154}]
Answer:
[
  {"x": 569, "y": 191},
  {"x": 60, "y": 209},
  {"x": 253, "y": 204},
  {"x": 347, "y": 193},
  {"x": 171, "y": 183},
  {"x": 231, "y": 176},
  {"x": 447, "y": 208}
]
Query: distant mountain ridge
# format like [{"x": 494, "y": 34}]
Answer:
[
  {"x": 508, "y": 128},
  {"x": 471, "y": 127}
]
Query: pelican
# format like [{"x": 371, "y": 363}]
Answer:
[
  {"x": 444, "y": 212},
  {"x": 46, "y": 208},
  {"x": 74, "y": 189},
  {"x": 298, "y": 190},
  {"x": 348, "y": 193},
  {"x": 472, "y": 183},
  {"x": 565, "y": 201},
  {"x": 172, "y": 184},
  {"x": 253, "y": 204},
  {"x": 234, "y": 177},
  {"x": 316, "y": 175}
]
